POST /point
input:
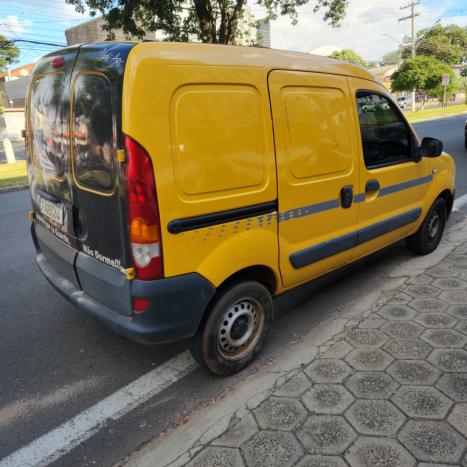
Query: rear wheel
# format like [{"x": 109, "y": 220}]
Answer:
[
  {"x": 235, "y": 330},
  {"x": 428, "y": 236}
]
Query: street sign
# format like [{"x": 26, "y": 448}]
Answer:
[{"x": 446, "y": 80}]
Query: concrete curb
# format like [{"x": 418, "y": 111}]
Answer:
[
  {"x": 181, "y": 445},
  {"x": 13, "y": 188}
]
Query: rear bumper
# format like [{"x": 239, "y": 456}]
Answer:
[{"x": 176, "y": 305}]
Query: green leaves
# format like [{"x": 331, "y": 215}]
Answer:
[
  {"x": 9, "y": 53},
  {"x": 447, "y": 43},
  {"x": 422, "y": 73},
  {"x": 350, "y": 56},
  {"x": 211, "y": 21}
]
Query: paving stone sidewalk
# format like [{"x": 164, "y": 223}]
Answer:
[{"x": 389, "y": 391}]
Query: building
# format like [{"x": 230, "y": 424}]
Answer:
[
  {"x": 264, "y": 33},
  {"x": 91, "y": 31},
  {"x": 14, "y": 85},
  {"x": 384, "y": 73}
]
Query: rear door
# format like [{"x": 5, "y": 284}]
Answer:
[
  {"x": 317, "y": 172},
  {"x": 48, "y": 144},
  {"x": 75, "y": 112},
  {"x": 97, "y": 176}
]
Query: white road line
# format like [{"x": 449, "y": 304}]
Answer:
[
  {"x": 70, "y": 434},
  {"x": 458, "y": 202}
]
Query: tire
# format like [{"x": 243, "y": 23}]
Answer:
[
  {"x": 428, "y": 236},
  {"x": 235, "y": 329}
]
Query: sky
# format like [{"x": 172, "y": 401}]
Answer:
[{"x": 363, "y": 29}]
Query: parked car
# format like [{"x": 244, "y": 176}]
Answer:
[
  {"x": 403, "y": 102},
  {"x": 188, "y": 184}
]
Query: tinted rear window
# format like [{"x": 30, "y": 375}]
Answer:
[
  {"x": 93, "y": 133},
  {"x": 48, "y": 124}
]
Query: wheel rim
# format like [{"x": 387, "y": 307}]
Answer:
[
  {"x": 433, "y": 225},
  {"x": 240, "y": 329}
]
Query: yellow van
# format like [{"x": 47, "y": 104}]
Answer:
[{"x": 176, "y": 188}]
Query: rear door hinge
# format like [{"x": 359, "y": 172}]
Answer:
[
  {"x": 121, "y": 155},
  {"x": 130, "y": 273}
]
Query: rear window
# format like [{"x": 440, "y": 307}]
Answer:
[
  {"x": 93, "y": 133},
  {"x": 48, "y": 124}
]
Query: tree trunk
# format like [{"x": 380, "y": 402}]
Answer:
[
  {"x": 206, "y": 20},
  {"x": 233, "y": 23},
  {"x": 423, "y": 101},
  {"x": 223, "y": 33},
  {"x": 224, "y": 23}
]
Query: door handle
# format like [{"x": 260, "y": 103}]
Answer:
[
  {"x": 371, "y": 186},
  {"x": 346, "y": 196}
]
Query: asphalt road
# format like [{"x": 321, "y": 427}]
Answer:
[
  {"x": 450, "y": 130},
  {"x": 56, "y": 362}
]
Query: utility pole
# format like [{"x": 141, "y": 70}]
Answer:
[{"x": 412, "y": 16}]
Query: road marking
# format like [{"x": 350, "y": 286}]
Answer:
[
  {"x": 64, "y": 438},
  {"x": 459, "y": 202}
]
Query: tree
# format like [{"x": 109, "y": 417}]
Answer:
[
  {"x": 391, "y": 58},
  {"x": 9, "y": 53},
  {"x": 348, "y": 55},
  {"x": 453, "y": 87},
  {"x": 211, "y": 21},
  {"x": 447, "y": 43},
  {"x": 463, "y": 86},
  {"x": 421, "y": 73}
]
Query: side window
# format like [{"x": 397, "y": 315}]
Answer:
[
  {"x": 386, "y": 139},
  {"x": 93, "y": 133},
  {"x": 47, "y": 124}
]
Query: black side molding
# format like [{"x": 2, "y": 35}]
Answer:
[
  {"x": 337, "y": 245},
  {"x": 316, "y": 253},
  {"x": 206, "y": 220}
]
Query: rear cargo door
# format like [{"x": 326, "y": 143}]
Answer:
[
  {"x": 74, "y": 112},
  {"x": 95, "y": 108},
  {"x": 48, "y": 146}
]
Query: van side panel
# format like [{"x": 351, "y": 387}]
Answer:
[
  {"x": 398, "y": 208},
  {"x": 208, "y": 131},
  {"x": 316, "y": 159}
]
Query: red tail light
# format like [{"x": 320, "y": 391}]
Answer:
[{"x": 143, "y": 213}]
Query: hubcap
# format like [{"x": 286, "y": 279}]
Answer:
[
  {"x": 433, "y": 225},
  {"x": 240, "y": 329}
]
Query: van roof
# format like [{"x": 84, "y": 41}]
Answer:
[{"x": 228, "y": 55}]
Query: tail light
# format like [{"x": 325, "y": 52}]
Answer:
[{"x": 143, "y": 213}]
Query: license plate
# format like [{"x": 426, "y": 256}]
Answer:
[{"x": 53, "y": 211}]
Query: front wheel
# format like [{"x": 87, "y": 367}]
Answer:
[
  {"x": 235, "y": 330},
  {"x": 428, "y": 236}
]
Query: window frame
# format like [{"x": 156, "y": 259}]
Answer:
[
  {"x": 413, "y": 140},
  {"x": 76, "y": 180}
]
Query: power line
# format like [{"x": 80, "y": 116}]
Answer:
[{"x": 32, "y": 42}]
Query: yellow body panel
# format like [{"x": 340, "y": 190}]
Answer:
[
  {"x": 230, "y": 127},
  {"x": 208, "y": 131},
  {"x": 316, "y": 158}
]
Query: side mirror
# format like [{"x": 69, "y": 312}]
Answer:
[{"x": 431, "y": 147}]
